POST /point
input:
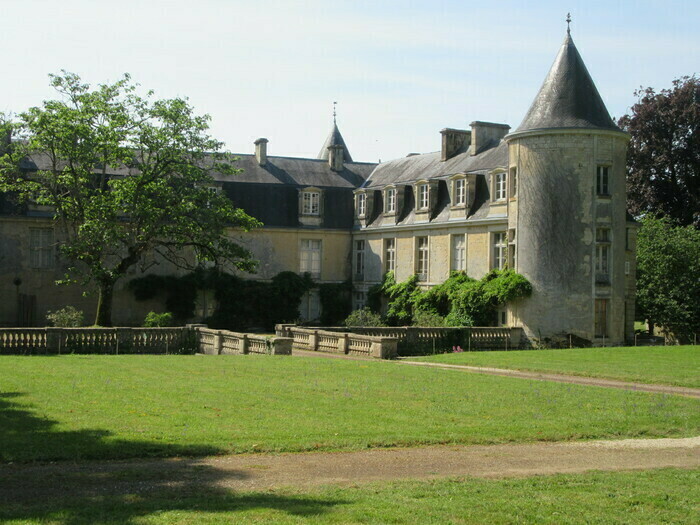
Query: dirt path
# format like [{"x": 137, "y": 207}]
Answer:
[
  {"x": 265, "y": 471},
  {"x": 539, "y": 376}
]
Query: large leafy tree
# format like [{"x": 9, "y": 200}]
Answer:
[
  {"x": 668, "y": 276},
  {"x": 128, "y": 177},
  {"x": 664, "y": 153}
]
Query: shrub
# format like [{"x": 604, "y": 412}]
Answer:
[
  {"x": 68, "y": 317},
  {"x": 427, "y": 318},
  {"x": 156, "y": 320},
  {"x": 363, "y": 317}
]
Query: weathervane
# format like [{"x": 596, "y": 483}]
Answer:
[
  {"x": 334, "y": 104},
  {"x": 568, "y": 23}
]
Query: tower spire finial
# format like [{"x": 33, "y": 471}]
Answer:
[
  {"x": 568, "y": 23},
  {"x": 334, "y": 104}
]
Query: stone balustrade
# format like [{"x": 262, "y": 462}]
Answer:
[{"x": 341, "y": 342}]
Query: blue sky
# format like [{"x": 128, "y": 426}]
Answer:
[{"x": 400, "y": 70}]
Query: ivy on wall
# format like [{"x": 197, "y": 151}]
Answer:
[
  {"x": 242, "y": 304},
  {"x": 459, "y": 301}
]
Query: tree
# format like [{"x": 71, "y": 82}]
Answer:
[
  {"x": 668, "y": 270},
  {"x": 663, "y": 163},
  {"x": 128, "y": 177}
]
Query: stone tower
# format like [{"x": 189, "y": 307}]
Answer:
[{"x": 567, "y": 221}]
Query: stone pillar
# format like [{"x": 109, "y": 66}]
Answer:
[
  {"x": 124, "y": 340},
  {"x": 244, "y": 344},
  {"x": 54, "y": 340},
  {"x": 313, "y": 341},
  {"x": 343, "y": 344},
  {"x": 282, "y": 345}
]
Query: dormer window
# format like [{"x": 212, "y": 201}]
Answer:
[
  {"x": 361, "y": 204},
  {"x": 390, "y": 200},
  {"x": 423, "y": 197},
  {"x": 499, "y": 186},
  {"x": 311, "y": 203},
  {"x": 459, "y": 190}
]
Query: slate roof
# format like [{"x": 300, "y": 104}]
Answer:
[
  {"x": 407, "y": 170},
  {"x": 334, "y": 139},
  {"x": 568, "y": 97}
]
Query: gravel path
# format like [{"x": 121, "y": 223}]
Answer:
[
  {"x": 266, "y": 471},
  {"x": 539, "y": 376}
]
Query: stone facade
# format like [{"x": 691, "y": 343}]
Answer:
[{"x": 547, "y": 200}]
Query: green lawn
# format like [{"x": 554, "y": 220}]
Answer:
[
  {"x": 86, "y": 407},
  {"x": 672, "y": 365},
  {"x": 646, "y": 497}
]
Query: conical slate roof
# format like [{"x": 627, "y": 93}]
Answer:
[
  {"x": 568, "y": 98},
  {"x": 334, "y": 139}
]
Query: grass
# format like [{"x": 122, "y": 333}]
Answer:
[
  {"x": 672, "y": 365},
  {"x": 108, "y": 407},
  {"x": 655, "y": 496}
]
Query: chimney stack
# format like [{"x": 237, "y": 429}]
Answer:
[
  {"x": 335, "y": 157},
  {"x": 453, "y": 140},
  {"x": 485, "y": 132},
  {"x": 261, "y": 151}
]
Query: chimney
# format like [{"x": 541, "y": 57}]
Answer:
[
  {"x": 261, "y": 151},
  {"x": 484, "y": 133},
  {"x": 335, "y": 157},
  {"x": 453, "y": 140}
]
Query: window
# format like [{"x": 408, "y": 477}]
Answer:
[
  {"x": 391, "y": 200},
  {"x": 423, "y": 200},
  {"x": 310, "y": 307},
  {"x": 499, "y": 250},
  {"x": 499, "y": 186},
  {"x": 513, "y": 182},
  {"x": 359, "y": 300},
  {"x": 460, "y": 192},
  {"x": 389, "y": 255},
  {"x": 311, "y": 203},
  {"x": 459, "y": 262},
  {"x": 361, "y": 204},
  {"x": 601, "y": 318},
  {"x": 41, "y": 248},
  {"x": 310, "y": 257},
  {"x": 359, "y": 258},
  {"x": 602, "y": 180},
  {"x": 602, "y": 256},
  {"x": 422, "y": 258}
]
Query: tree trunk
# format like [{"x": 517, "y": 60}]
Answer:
[{"x": 104, "y": 304}]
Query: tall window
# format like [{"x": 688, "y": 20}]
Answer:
[
  {"x": 601, "y": 318},
  {"x": 460, "y": 192},
  {"x": 422, "y": 258},
  {"x": 602, "y": 184},
  {"x": 310, "y": 307},
  {"x": 359, "y": 258},
  {"x": 41, "y": 248},
  {"x": 499, "y": 186},
  {"x": 311, "y": 203},
  {"x": 513, "y": 182},
  {"x": 310, "y": 257},
  {"x": 423, "y": 200},
  {"x": 500, "y": 247},
  {"x": 391, "y": 200},
  {"x": 602, "y": 256},
  {"x": 390, "y": 255},
  {"x": 361, "y": 204},
  {"x": 459, "y": 262}
]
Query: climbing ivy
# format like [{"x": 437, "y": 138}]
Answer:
[
  {"x": 242, "y": 304},
  {"x": 336, "y": 302},
  {"x": 459, "y": 301}
]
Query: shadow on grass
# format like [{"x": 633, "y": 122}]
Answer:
[{"x": 119, "y": 491}]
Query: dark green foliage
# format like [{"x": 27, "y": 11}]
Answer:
[
  {"x": 460, "y": 300},
  {"x": 668, "y": 276},
  {"x": 336, "y": 302},
  {"x": 402, "y": 298},
  {"x": 242, "y": 304}
]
